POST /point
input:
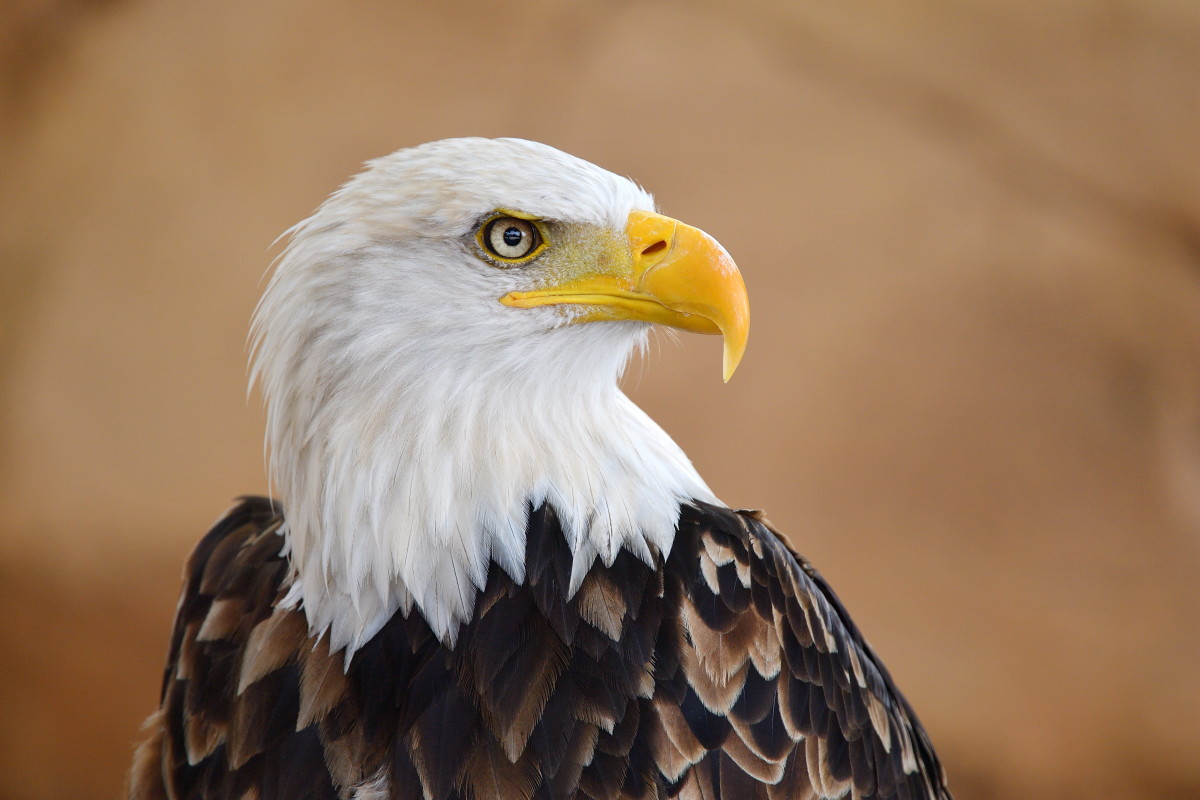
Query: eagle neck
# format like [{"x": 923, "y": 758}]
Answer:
[{"x": 402, "y": 496}]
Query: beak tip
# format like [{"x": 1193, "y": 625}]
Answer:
[
  {"x": 731, "y": 359},
  {"x": 734, "y": 331}
]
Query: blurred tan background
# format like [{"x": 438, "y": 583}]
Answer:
[{"x": 971, "y": 232}]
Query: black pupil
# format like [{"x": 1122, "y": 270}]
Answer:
[{"x": 513, "y": 236}]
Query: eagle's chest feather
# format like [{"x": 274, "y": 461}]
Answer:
[{"x": 723, "y": 664}]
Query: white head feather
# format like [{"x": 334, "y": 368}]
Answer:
[{"x": 412, "y": 419}]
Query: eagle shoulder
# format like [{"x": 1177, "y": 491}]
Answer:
[
  {"x": 770, "y": 690},
  {"x": 235, "y": 676}
]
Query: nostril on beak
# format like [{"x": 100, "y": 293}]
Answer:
[{"x": 656, "y": 247}]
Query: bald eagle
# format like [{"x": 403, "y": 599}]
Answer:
[{"x": 488, "y": 573}]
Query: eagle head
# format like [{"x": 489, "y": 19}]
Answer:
[{"x": 438, "y": 350}]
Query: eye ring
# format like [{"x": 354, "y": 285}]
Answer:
[{"x": 511, "y": 239}]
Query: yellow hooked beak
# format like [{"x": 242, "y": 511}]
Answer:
[{"x": 676, "y": 275}]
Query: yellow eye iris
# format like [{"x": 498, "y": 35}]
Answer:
[{"x": 511, "y": 238}]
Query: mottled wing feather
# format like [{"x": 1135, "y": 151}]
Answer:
[
  {"x": 726, "y": 670},
  {"x": 226, "y": 726},
  {"x": 778, "y": 684}
]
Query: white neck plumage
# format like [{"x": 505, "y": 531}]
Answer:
[{"x": 403, "y": 491}]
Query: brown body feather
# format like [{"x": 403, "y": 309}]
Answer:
[{"x": 729, "y": 671}]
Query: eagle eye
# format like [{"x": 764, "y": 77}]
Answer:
[{"x": 511, "y": 238}]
